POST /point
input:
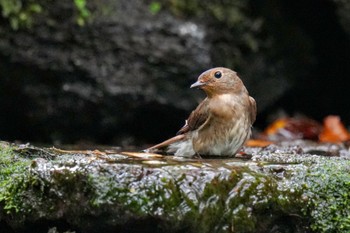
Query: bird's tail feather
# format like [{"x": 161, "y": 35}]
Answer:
[{"x": 165, "y": 143}]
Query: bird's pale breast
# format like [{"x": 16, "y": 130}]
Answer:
[{"x": 226, "y": 129}]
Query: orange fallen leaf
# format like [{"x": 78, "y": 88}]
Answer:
[
  {"x": 334, "y": 130},
  {"x": 275, "y": 126},
  {"x": 257, "y": 143}
]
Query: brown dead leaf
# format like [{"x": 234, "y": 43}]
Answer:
[{"x": 291, "y": 128}]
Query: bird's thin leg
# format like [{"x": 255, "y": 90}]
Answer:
[{"x": 197, "y": 156}]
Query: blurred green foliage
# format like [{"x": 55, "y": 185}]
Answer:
[
  {"x": 21, "y": 14},
  {"x": 18, "y": 13},
  {"x": 155, "y": 7},
  {"x": 84, "y": 13}
]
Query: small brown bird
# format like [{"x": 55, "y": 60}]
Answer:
[{"x": 221, "y": 123}]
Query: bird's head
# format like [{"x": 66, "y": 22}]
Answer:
[{"x": 219, "y": 80}]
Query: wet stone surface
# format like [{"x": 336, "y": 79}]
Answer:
[{"x": 290, "y": 187}]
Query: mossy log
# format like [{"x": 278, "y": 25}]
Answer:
[{"x": 280, "y": 189}]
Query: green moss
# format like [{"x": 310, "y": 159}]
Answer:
[
  {"x": 322, "y": 183},
  {"x": 13, "y": 172},
  {"x": 328, "y": 191}
]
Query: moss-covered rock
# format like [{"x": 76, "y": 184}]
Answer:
[
  {"x": 281, "y": 189},
  {"x": 328, "y": 191}
]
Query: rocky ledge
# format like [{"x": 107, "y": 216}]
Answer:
[{"x": 298, "y": 186}]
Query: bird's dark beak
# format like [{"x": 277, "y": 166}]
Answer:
[{"x": 198, "y": 84}]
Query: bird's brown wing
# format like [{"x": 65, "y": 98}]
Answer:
[
  {"x": 196, "y": 118},
  {"x": 253, "y": 109},
  {"x": 194, "y": 121}
]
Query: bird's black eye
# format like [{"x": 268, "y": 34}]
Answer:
[{"x": 217, "y": 74}]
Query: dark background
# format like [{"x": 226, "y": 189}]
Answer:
[{"x": 122, "y": 76}]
